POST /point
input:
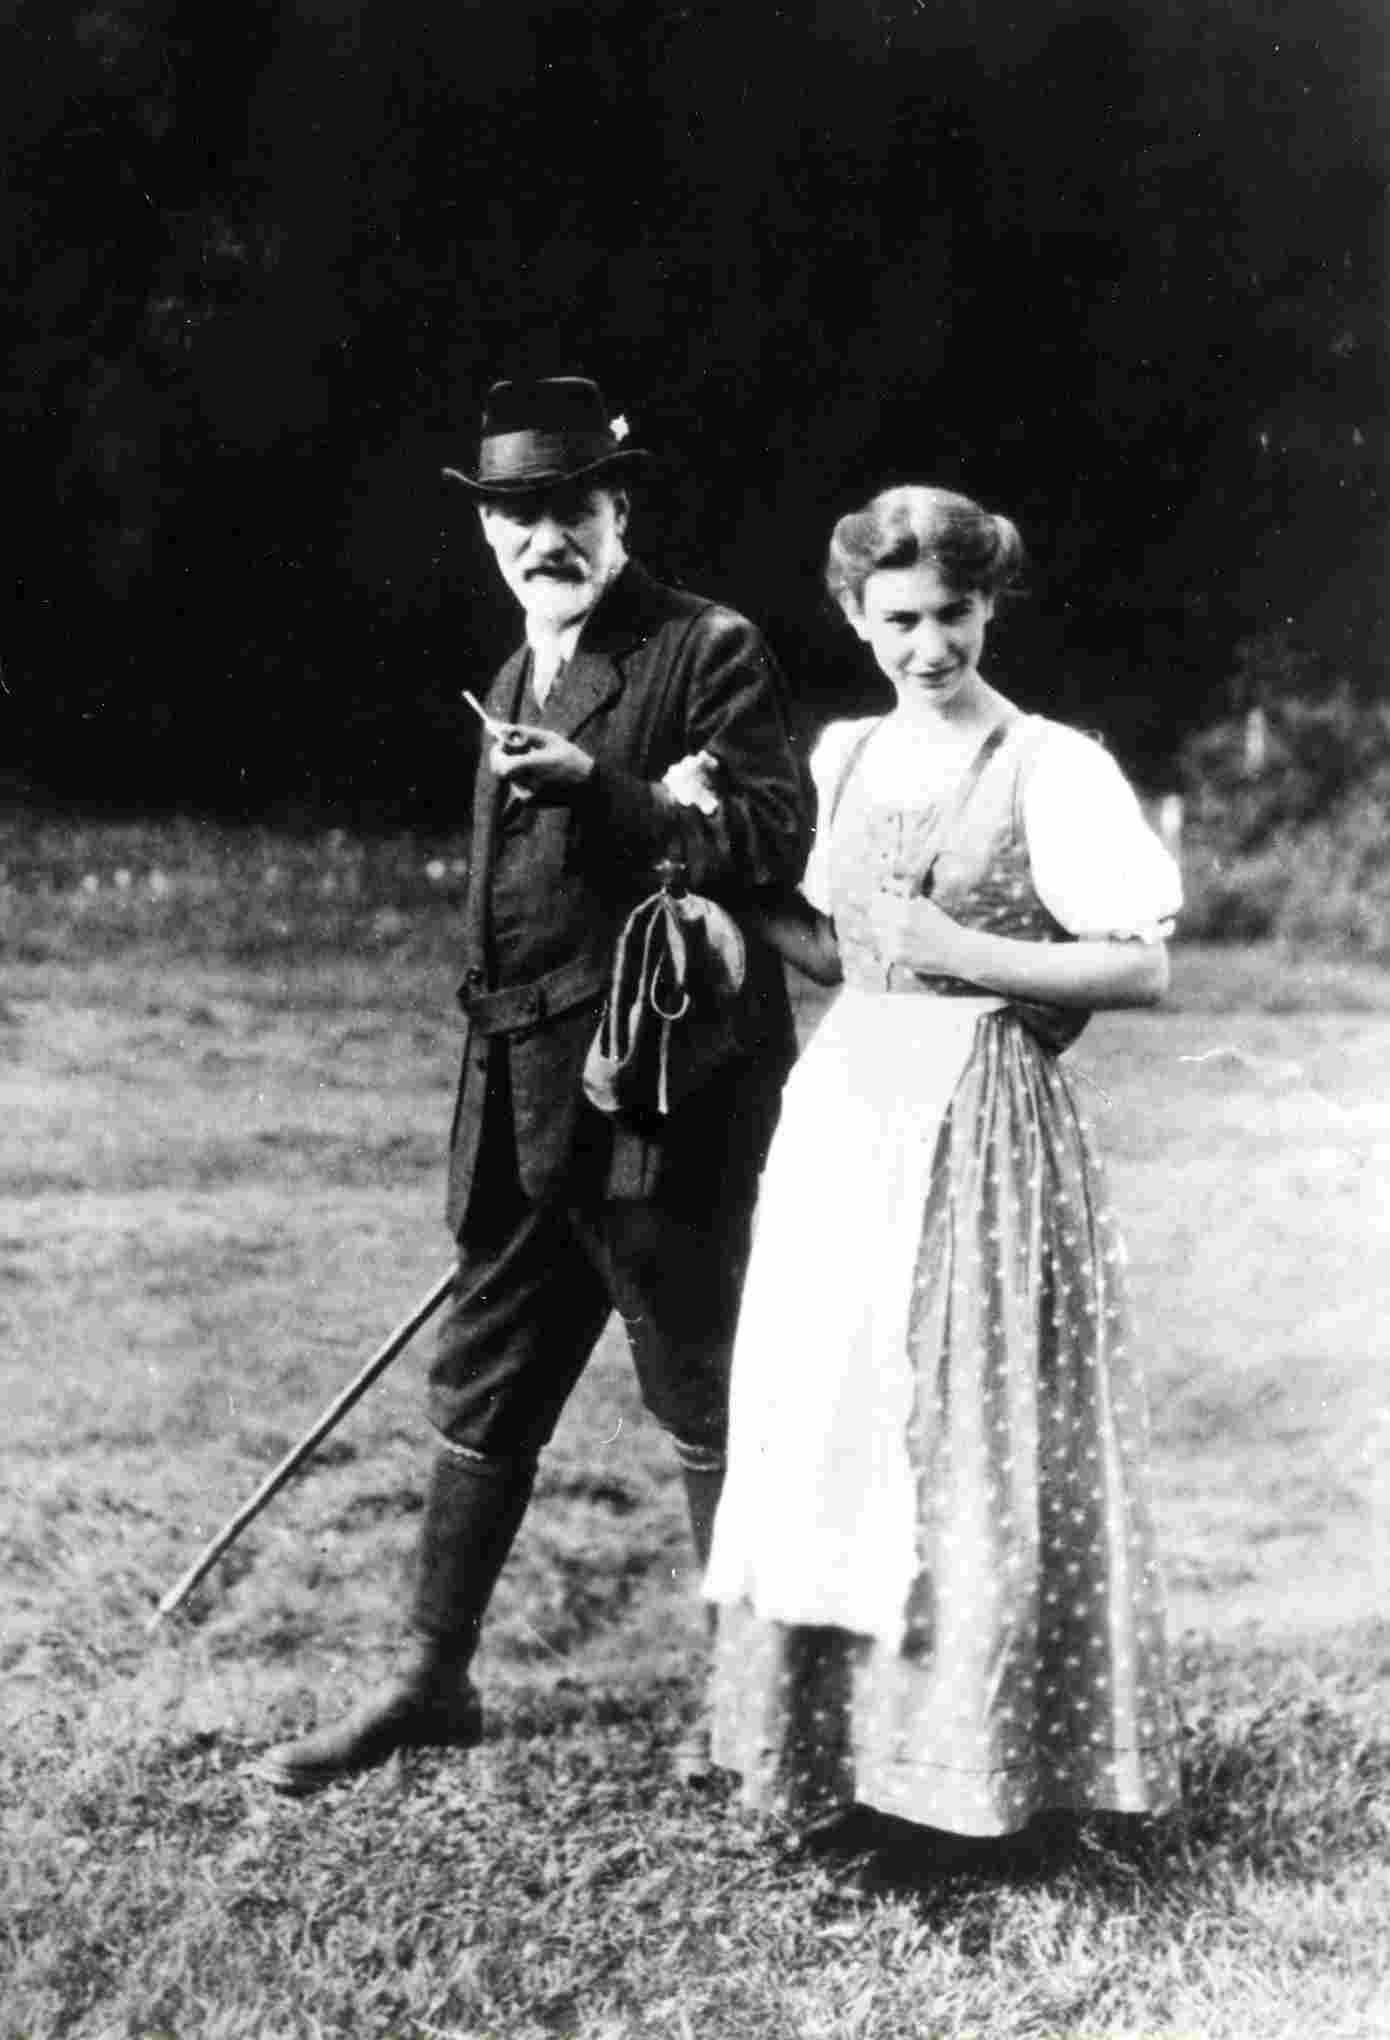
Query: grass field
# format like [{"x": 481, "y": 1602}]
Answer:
[{"x": 225, "y": 1066}]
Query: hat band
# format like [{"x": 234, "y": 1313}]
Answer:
[{"x": 522, "y": 456}]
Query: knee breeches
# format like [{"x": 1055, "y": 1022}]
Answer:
[{"x": 535, "y": 1286}]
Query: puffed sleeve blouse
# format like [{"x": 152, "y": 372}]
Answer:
[{"x": 1098, "y": 867}]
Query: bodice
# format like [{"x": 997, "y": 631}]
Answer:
[{"x": 980, "y": 874}]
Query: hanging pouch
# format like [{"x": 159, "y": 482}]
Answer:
[{"x": 668, "y": 1020}]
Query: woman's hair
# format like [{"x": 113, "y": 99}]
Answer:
[{"x": 974, "y": 551}]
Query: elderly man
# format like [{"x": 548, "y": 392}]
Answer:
[{"x": 563, "y": 1213}]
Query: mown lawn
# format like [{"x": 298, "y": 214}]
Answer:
[{"x": 224, "y": 1085}]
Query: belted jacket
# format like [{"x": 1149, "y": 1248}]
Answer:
[{"x": 657, "y": 675}]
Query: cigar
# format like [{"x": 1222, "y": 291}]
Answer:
[{"x": 507, "y": 735}]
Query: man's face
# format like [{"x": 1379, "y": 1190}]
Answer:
[{"x": 558, "y": 549}]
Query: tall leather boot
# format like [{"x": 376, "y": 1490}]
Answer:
[
  {"x": 690, "y": 1759},
  {"x": 473, "y": 1510}
]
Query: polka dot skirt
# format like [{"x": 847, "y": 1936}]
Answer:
[{"x": 1033, "y": 1672}]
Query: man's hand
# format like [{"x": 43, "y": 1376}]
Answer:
[{"x": 537, "y": 764}]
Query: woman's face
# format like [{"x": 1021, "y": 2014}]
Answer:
[{"x": 926, "y": 636}]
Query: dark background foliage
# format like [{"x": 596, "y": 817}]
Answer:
[{"x": 1117, "y": 269}]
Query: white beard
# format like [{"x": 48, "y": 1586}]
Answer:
[{"x": 555, "y": 606}]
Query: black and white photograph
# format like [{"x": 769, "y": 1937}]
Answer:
[{"x": 694, "y": 1020}]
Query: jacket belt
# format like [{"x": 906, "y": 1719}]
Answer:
[{"x": 508, "y": 1009}]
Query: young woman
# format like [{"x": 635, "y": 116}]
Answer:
[{"x": 934, "y": 1554}]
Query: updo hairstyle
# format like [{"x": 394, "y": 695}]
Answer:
[{"x": 974, "y": 551}]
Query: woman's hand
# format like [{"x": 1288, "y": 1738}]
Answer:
[
  {"x": 913, "y": 931},
  {"x": 537, "y": 764}
]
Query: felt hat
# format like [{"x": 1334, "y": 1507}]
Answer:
[{"x": 543, "y": 434}]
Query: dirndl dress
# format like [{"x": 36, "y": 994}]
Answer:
[{"x": 934, "y": 1557}]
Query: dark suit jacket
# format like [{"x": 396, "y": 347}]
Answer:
[{"x": 657, "y": 674}]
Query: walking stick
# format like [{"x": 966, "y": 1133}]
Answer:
[{"x": 295, "y": 1457}]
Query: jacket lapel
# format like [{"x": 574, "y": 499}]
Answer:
[
  {"x": 503, "y": 701},
  {"x": 589, "y": 681},
  {"x": 594, "y": 675},
  {"x": 504, "y": 696}
]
